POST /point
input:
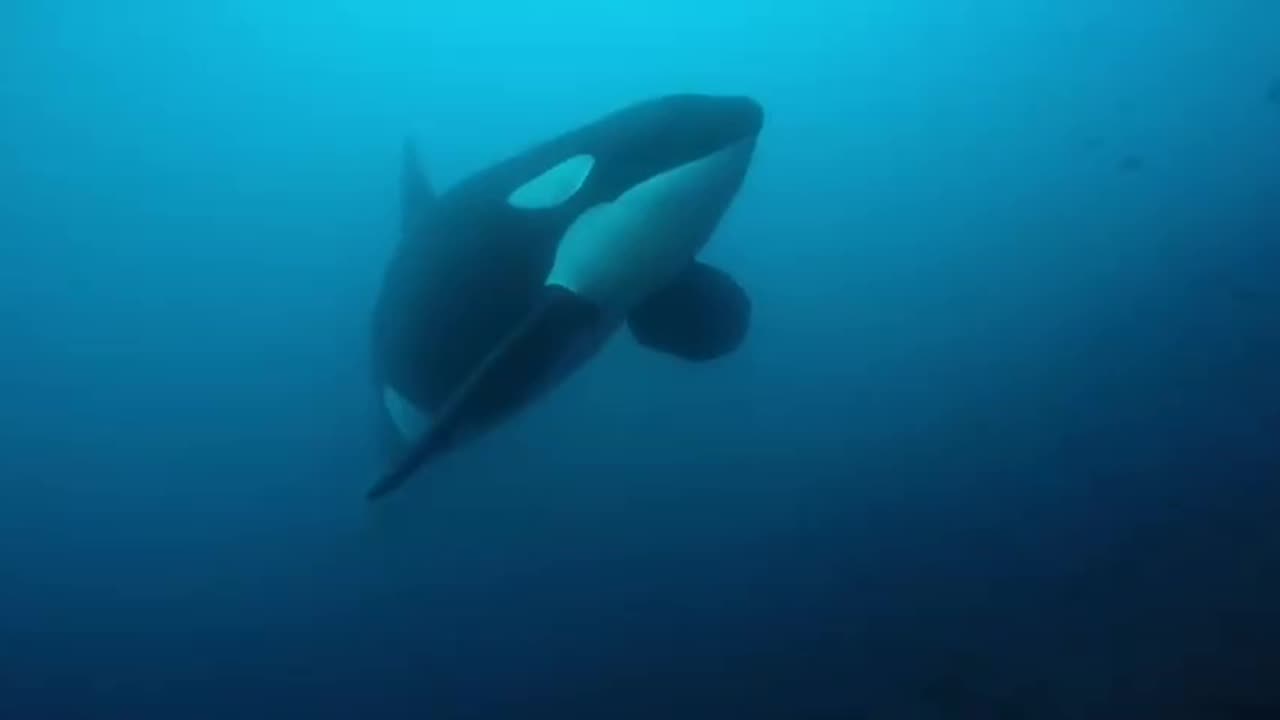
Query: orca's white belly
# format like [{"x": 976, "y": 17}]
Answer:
[{"x": 617, "y": 252}]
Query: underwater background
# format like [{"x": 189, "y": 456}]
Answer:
[{"x": 1002, "y": 442}]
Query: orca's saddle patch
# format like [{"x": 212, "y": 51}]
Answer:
[{"x": 701, "y": 315}]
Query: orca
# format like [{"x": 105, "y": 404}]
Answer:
[{"x": 507, "y": 282}]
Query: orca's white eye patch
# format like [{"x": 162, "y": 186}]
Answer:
[{"x": 555, "y": 186}]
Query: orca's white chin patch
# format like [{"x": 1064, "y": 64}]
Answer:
[
  {"x": 618, "y": 252},
  {"x": 555, "y": 186},
  {"x": 409, "y": 421}
]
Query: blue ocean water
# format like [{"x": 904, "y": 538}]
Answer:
[{"x": 1001, "y": 442}]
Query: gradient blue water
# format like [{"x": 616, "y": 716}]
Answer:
[{"x": 1002, "y": 442}]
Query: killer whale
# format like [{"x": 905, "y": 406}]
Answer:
[{"x": 504, "y": 284}]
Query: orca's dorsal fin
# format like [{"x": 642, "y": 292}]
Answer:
[{"x": 416, "y": 194}]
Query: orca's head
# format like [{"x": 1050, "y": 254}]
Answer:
[
  {"x": 687, "y": 126},
  {"x": 602, "y": 160},
  {"x": 649, "y": 138},
  {"x": 645, "y": 186}
]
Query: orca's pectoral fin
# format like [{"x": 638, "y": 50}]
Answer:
[
  {"x": 559, "y": 331},
  {"x": 701, "y": 315}
]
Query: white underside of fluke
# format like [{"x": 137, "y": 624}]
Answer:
[{"x": 616, "y": 253}]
